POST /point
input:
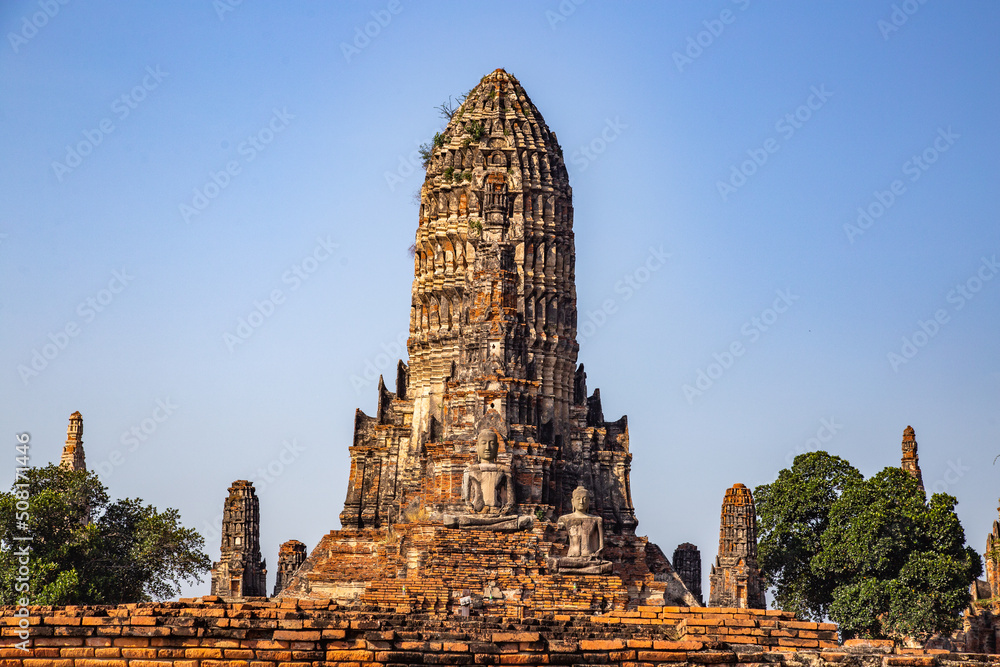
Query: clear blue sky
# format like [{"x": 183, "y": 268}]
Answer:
[{"x": 740, "y": 138}]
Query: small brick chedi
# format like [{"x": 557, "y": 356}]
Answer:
[
  {"x": 911, "y": 462},
  {"x": 735, "y": 578},
  {"x": 291, "y": 555},
  {"x": 462, "y": 483},
  {"x": 687, "y": 564},
  {"x": 72, "y": 455},
  {"x": 240, "y": 572}
]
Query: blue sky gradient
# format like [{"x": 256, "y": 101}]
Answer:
[{"x": 739, "y": 138}]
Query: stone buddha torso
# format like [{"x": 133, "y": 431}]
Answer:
[{"x": 487, "y": 486}]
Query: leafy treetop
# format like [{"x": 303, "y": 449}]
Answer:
[
  {"x": 86, "y": 549},
  {"x": 874, "y": 555}
]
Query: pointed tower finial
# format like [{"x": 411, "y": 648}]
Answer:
[
  {"x": 911, "y": 462},
  {"x": 72, "y": 454}
]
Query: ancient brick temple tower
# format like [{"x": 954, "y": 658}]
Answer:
[
  {"x": 291, "y": 555},
  {"x": 911, "y": 462},
  {"x": 72, "y": 454},
  {"x": 492, "y": 328},
  {"x": 492, "y": 350},
  {"x": 241, "y": 571},
  {"x": 735, "y": 578},
  {"x": 687, "y": 563}
]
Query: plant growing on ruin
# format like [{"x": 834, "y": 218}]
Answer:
[
  {"x": 475, "y": 130},
  {"x": 449, "y": 173},
  {"x": 476, "y": 225},
  {"x": 467, "y": 175},
  {"x": 438, "y": 140},
  {"x": 86, "y": 549},
  {"x": 993, "y": 555},
  {"x": 448, "y": 108},
  {"x": 426, "y": 152}
]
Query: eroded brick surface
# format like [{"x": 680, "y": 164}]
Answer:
[{"x": 201, "y": 632}]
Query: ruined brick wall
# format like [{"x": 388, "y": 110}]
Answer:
[
  {"x": 771, "y": 629},
  {"x": 209, "y": 633},
  {"x": 979, "y": 632},
  {"x": 981, "y": 622}
]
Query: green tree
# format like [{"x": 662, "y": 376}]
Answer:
[
  {"x": 792, "y": 515},
  {"x": 86, "y": 549},
  {"x": 899, "y": 562},
  {"x": 874, "y": 555}
]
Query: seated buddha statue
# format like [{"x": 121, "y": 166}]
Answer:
[
  {"x": 488, "y": 492},
  {"x": 586, "y": 539}
]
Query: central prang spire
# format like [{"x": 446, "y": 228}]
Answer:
[
  {"x": 492, "y": 346},
  {"x": 490, "y": 468},
  {"x": 494, "y": 294}
]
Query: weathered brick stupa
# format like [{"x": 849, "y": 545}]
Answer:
[
  {"x": 911, "y": 461},
  {"x": 240, "y": 572},
  {"x": 489, "y": 478},
  {"x": 735, "y": 578},
  {"x": 73, "y": 457}
]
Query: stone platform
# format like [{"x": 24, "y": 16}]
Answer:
[
  {"x": 206, "y": 632},
  {"x": 425, "y": 567}
]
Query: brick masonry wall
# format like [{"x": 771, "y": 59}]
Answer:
[
  {"x": 305, "y": 633},
  {"x": 772, "y": 629}
]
